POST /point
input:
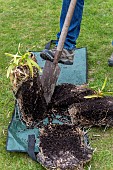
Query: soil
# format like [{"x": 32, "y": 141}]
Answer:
[
  {"x": 93, "y": 112},
  {"x": 62, "y": 146},
  {"x": 64, "y": 96},
  {"x": 67, "y": 94},
  {"x": 31, "y": 101},
  {"x": 67, "y": 100}
]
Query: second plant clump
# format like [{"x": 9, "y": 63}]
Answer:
[{"x": 22, "y": 67}]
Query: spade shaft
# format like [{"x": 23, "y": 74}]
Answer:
[{"x": 51, "y": 70}]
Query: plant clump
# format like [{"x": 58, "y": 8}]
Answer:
[
  {"x": 21, "y": 68},
  {"x": 63, "y": 147},
  {"x": 93, "y": 112},
  {"x": 25, "y": 79}
]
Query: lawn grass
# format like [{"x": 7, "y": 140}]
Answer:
[{"x": 33, "y": 23}]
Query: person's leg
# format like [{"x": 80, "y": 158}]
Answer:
[
  {"x": 73, "y": 33},
  {"x": 74, "y": 28}
]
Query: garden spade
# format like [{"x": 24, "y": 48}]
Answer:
[{"x": 51, "y": 70}]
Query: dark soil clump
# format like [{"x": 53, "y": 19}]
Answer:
[
  {"x": 98, "y": 111},
  {"x": 31, "y": 101},
  {"x": 63, "y": 147},
  {"x": 67, "y": 94}
]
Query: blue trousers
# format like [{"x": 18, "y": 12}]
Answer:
[{"x": 74, "y": 29}]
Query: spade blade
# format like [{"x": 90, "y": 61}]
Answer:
[{"x": 49, "y": 79}]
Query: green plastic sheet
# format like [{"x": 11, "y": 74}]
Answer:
[{"x": 17, "y": 138}]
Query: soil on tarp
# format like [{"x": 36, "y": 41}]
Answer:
[
  {"x": 67, "y": 100},
  {"x": 31, "y": 101},
  {"x": 67, "y": 94},
  {"x": 64, "y": 96},
  {"x": 63, "y": 147},
  {"x": 92, "y": 112}
]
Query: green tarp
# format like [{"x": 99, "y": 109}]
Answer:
[{"x": 17, "y": 139}]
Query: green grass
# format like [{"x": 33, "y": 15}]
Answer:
[{"x": 33, "y": 23}]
